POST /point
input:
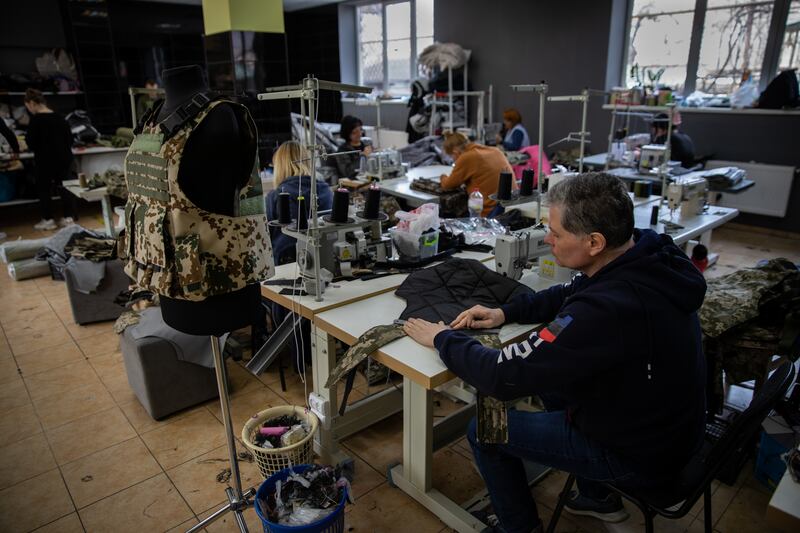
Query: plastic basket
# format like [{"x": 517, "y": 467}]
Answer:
[
  {"x": 333, "y": 523},
  {"x": 272, "y": 460}
]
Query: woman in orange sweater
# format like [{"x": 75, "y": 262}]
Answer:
[{"x": 476, "y": 166}]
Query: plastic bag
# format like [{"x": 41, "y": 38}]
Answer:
[
  {"x": 418, "y": 221},
  {"x": 746, "y": 95},
  {"x": 475, "y": 230},
  {"x": 302, "y": 516}
]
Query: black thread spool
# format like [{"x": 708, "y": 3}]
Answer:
[
  {"x": 373, "y": 204},
  {"x": 302, "y": 213},
  {"x": 341, "y": 202},
  {"x": 526, "y": 187},
  {"x": 504, "y": 187},
  {"x": 284, "y": 209},
  {"x": 654, "y": 215},
  {"x": 642, "y": 188}
]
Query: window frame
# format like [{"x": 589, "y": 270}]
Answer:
[
  {"x": 772, "y": 51},
  {"x": 413, "y": 66}
]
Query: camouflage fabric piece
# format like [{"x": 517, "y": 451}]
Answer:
[
  {"x": 92, "y": 248},
  {"x": 735, "y": 298},
  {"x": 452, "y": 204},
  {"x": 113, "y": 180},
  {"x": 371, "y": 341},
  {"x": 492, "y": 414},
  {"x": 173, "y": 247},
  {"x": 128, "y": 318}
]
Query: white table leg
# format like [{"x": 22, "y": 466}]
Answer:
[
  {"x": 108, "y": 216},
  {"x": 323, "y": 360},
  {"x": 414, "y": 475}
]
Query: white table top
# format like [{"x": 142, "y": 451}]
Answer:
[
  {"x": 695, "y": 226},
  {"x": 529, "y": 208},
  {"x": 341, "y": 293},
  {"x": 783, "y": 510},
  {"x": 402, "y": 186},
  {"x": 90, "y": 195},
  {"x": 405, "y": 356}
]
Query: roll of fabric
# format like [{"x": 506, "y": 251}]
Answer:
[
  {"x": 24, "y": 249},
  {"x": 27, "y": 269}
]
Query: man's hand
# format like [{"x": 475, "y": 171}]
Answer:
[
  {"x": 479, "y": 317},
  {"x": 423, "y": 331},
  {"x": 367, "y": 150}
]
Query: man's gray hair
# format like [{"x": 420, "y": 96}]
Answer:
[{"x": 595, "y": 202}]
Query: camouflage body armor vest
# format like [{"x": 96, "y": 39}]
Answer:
[{"x": 173, "y": 247}]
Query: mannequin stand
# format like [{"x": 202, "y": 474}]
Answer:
[{"x": 238, "y": 501}]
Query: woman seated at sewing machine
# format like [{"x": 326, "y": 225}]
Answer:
[
  {"x": 351, "y": 130},
  {"x": 515, "y": 136},
  {"x": 293, "y": 176},
  {"x": 476, "y": 167}
]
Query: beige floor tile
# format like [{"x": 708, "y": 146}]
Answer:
[
  {"x": 89, "y": 434},
  {"x": 142, "y": 422},
  {"x": 60, "y": 409},
  {"x": 34, "y": 503},
  {"x": 42, "y": 313},
  {"x": 454, "y": 476},
  {"x": 241, "y": 380},
  {"x": 365, "y": 478},
  {"x": 390, "y": 509},
  {"x": 248, "y": 404},
  {"x": 109, "y": 471},
  {"x": 100, "y": 344},
  {"x": 153, "y": 505},
  {"x": 108, "y": 365},
  {"x": 381, "y": 444},
  {"x": 79, "y": 332},
  {"x": 49, "y": 358},
  {"x": 120, "y": 389},
  {"x": 181, "y": 528},
  {"x": 202, "y": 481},
  {"x": 185, "y": 439},
  {"x": 5, "y": 349},
  {"x": 12, "y": 395},
  {"x": 39, "y": 340},
  {"x": 8, "y": 370},
  {"x": 746, "y": 512},
  {"x": 60, "y": 380},
  {"x": 44, "y": 324},
  {"x": 25, "y": 459},
  {"x": 227, "y": 524},
  {"x": 18, "y": 424},
  {"x": 69, "y": 524}
]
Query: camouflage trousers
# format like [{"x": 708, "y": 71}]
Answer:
[{"x": 492, "y": 414}]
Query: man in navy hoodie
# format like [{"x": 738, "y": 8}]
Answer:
[{"x": 618, "y": 364}]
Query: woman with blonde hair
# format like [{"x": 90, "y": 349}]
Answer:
[
  {"x": 292, "y": 175},
  {"x": 476, "y": 167}
]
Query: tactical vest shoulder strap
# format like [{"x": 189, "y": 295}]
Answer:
[
  {"x": 148, "y": 116},
  {"x": 175, "y": 121}
]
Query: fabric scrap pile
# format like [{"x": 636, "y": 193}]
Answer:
[
  {"x": 281, "y": 431},
  {"x": 305, "y": 497}
]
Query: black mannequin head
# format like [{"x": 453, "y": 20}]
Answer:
[{"x": 180, "y": 84}]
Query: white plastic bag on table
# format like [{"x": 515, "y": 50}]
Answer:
[
  {"x": 412, "y": 225},
  {"x": 746, "y": 95}
]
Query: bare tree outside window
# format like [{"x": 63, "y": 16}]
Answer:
[{"x": 790, "y": 51}]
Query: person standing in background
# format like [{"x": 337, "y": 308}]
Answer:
[{"x": 50, "y": 139}]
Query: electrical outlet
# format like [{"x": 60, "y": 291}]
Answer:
[{"x": 320, "y": 407}]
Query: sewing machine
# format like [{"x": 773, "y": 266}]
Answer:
[
  {"x": 342, "y": 247},
  {"x": 688, "y": 193},
  {"x": 652, "y": 157},
  {"x": 513, "y": 252},
  {"x": 383, "y": 164}
]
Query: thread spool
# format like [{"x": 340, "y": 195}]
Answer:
[
  {"x": 341, "y": 202},
  {"x": 504, "y": 186},
  {"x": 373, "y": 204},
  {"x": 302, "y": 213},
  {"x": 642, "y": 188},
  {"x": 654, "y": 215},
  {"x": 284, "y": 209},
  {"x": 526, "y": 187}
]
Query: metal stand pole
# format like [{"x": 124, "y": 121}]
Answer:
[
  {"x": 585, "y": 95},
  {"x": 238, "y": 501}
]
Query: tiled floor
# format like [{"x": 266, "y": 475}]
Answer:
[{"x": 79, "y": 453}]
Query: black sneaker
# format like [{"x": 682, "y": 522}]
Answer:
[
  {"x": 607, "y": 510},
  {"x": 493, "y": 523}
]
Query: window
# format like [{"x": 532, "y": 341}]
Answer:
[
  {"x": 390, "y": 37},
  {"x": 709, "y": 45}
]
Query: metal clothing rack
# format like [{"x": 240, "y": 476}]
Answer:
[
  {"x": 584, "y": 99},
  {"x": 308, "y": 94},
  {"x": 541, "y": 89}
]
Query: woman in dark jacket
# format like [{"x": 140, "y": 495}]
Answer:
[
  {"x": 50, "y": 139},
  {"x": 293, "y": 176},
  {"x": 351, "y": 131}
]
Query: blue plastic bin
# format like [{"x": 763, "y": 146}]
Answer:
[{"x": 333, "y": 523}]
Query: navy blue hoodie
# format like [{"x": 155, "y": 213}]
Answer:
[
  {"x": 283, "y": 245},
  {"x": 621, "y": 349}
]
